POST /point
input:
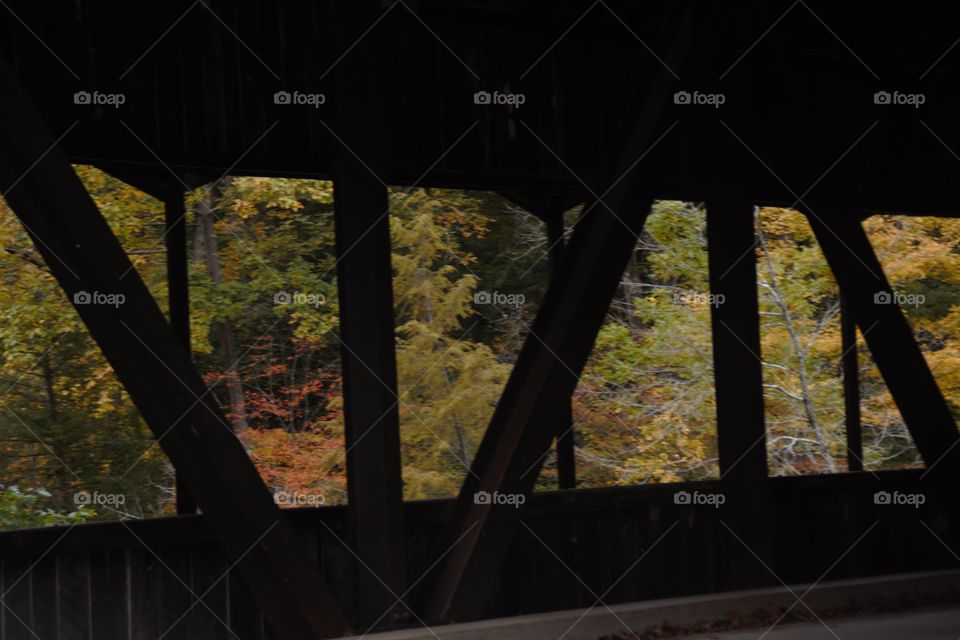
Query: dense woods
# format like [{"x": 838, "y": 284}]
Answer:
[{"x": 469, "y": 271}]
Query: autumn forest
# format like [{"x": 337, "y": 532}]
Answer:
[{"x": 469, "y": 271}]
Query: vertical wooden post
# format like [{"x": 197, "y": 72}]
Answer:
[
  {"x": 735, "y": 320},
  {"x": 178, "y": 298},
  {"x": 738, "y": 376},
  {"x": 371, "y": 419},
  {"x": 365, "y": 290},
  {"x": 851, "y": 387},
  {"x": 566, "y": 456},
  {"x": 736, "y": 342}
]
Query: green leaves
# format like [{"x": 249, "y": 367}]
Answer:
[{"x": 28, "y": 508}]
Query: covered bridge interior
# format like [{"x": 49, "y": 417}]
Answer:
[{"x": 809, "y": 104}]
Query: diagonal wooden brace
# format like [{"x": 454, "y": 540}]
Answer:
[
  {"x": 549, "y": 364},
  {"x": 867, "y": 294}
]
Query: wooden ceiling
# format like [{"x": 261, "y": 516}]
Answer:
[{"x": 199, "y": 78}]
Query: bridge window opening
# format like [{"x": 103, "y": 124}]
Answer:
[
  {"x": 74, "y": 448},
  {"x": 919, "y": 258},
  {"x": 801, "y": 345},
  {"x": 804, "y": 349},
  {"x": 263, "y": 296},
  {"x": 644, "y": 410},
  {"x": 470, "y": 269},
  {"x": 263, "y": 325}
]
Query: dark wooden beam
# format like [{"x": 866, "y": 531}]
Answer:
[
  {"x": 370, "y": 397},
  {"x": 734, "y": 314},
  {"x": 872, "y": 304},
  {"x": 735, "y": 321},
  {"x": 851, "y": 387},
  {"x": 566, "y": 453},
  {"x": 533, "y": 403},
  {"x": 550, "y": 209},
  {"x": 551, "y": 360},
  {"x": 738, "y": 369},
  {"x": 365, "y": 291},
  {"x": 178, "y": 299},
  {"x": 90, "y": 264}
]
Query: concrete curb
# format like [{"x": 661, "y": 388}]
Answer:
[{"x": 590, "y": 624}]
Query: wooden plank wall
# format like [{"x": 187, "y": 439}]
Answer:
[{"x": 102, "y": 581}]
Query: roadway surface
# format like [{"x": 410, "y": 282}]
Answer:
[{"x": 934, "y": 624}]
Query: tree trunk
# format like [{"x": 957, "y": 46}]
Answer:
[
  {"x": 206, "y": 236},
  {"x": 799, "y": 350}
]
